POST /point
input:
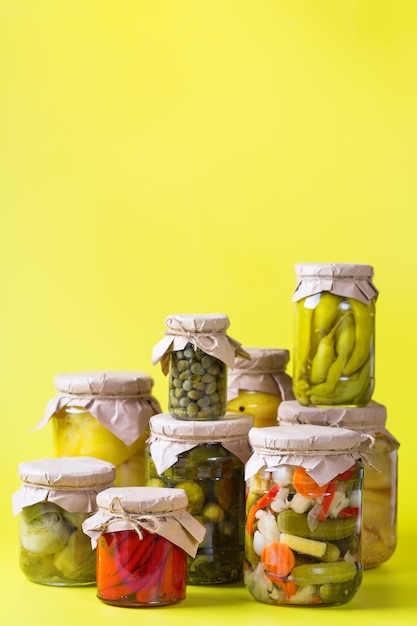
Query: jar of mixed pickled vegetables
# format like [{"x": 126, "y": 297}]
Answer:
[
  {"x": 104, "y": 414},
  {"x": 206, "y": 459},
  {"x": 334, "y": 334},
  {"x": 258, "y": 385},
  {"x": 143, "y": 537},
  {"x": 56, "y": 496},
  {"x": 379, "y": 509},
  {"x": 303, "y": 515},
  {"x": 196, "y": 353}
]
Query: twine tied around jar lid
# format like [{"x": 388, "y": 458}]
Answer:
[
  {"x": 343, "y": 279},
  {"x": 264, "y": 372},
  {"x": 121, "y": 400},
  {"x": 206, "y": 332},
  {"x": 323, "y": 451},
  {"x": 157, "y": 510},
  {"x": 170, "y": 437}
]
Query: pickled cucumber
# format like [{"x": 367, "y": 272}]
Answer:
[
  {"x": 332, "y": 529},
  {"x": 323, "y": 573},
  {"x": 338, "y": 593}
]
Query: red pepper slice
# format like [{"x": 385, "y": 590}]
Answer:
[
  {"x": 327, "y": 500},
  {"x": 260, "y": 504},
  {"x": 352, "y": 511}
]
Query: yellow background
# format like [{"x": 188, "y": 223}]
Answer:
[{"x": 168, "y": 156}]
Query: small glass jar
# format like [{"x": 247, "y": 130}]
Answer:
[
  {"x": 258, "y": 385},
  {"x": 303, "y": 515},
  {"x": 379, "y": 510},
  {"x": 57, "y": 495},
  {"x": 196, "y": 353},
  {"x": 143, "y": 536},
  {"x": 334, "y": 334},
  {"x": 104, "y": 414},
  {"x": 206, "y": 459}
]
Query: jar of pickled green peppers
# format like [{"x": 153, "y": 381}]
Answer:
[
  {"x": 304, "y": 515},
  {"x": 379, "y": 511},
  {"x": 334, "y": 334},
  {"x": 56, "y": 496},
  {"x": 206, "y": 459},
  {"x": 143, "y": 536},
  {"x": 196, "y": 353},
  {"x": 258, "y": 385},
  {"x": 104, "y": 414}
]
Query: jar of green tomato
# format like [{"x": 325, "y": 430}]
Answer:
[
  {"x": 334, "y": 334},
  {"x": 379, "y": 529},
  {"x": 206, "y": 459},
  {"x": 56, "y": 496},
  {"x": 258, "y": 385},
  {"x": 143, "y": 536},
  {"x": 304, "y": 515},
  {"x": 104, "y": 414},
  {"x": 196, "y": 353}
]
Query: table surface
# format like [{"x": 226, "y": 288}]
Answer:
[{"x": 388, "y": 595}]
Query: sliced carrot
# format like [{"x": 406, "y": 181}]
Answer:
[
  {"x": 327, "y": 500},
  {"x": 278, "y": 559},
  {"x": 305, "y": 485}
]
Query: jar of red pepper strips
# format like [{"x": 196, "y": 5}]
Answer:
[
  {"x": 143, "y": 536},
  {"x": 303, "y": 514}
]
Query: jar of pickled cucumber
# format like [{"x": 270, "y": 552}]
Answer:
[
  {"x": 196, "y": 353},
  {"x": 206, "y": 459},
  {"x": 104, "y": 414},
  {"x": 56, "y": 496},
  {"x": 379, "y": 509},
  {"x": 142, "y": 536},
  {"x": 258, "y": 385},
  {"x": 304, "y": 515},
  {"x": 334, "y": 334}
]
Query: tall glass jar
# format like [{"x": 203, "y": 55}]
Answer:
[
  {"x": 143, "y": 536},
  {"x": 206, "y": 459},
  {"x": 258, "y": 385},
  {"x": 104, "y": 414},
  {"x": 379, "y": 512},
  {"x": 334, "y": 334},
  {"x": 56, "y": 496},
  {"x": 303, "y": 515},
  {"x": 196, "y": 353}
]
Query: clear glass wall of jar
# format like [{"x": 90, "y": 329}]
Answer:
[
  {"x": 56, "y": 497},
  {"x": 206, "y": 459},
  {"x": 303, "y": 515},
  {"x": 379, "y": 532},
  {"x": 258, "y": 385},
  {"x": 334, "y": 334},
  {"x": 105, "y": 415}
]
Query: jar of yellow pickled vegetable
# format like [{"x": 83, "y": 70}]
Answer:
[
  {"x": 379, "y": 529},
  {"x": 56, "y": 496},
  {"x": 196, "y": 353},
  {"x": 143, "y": 536},
  {"x": 206, "y": 459},
  {"x": 304, "y": 515},
  {"x": 258, "y": 385},
  {"x": 104, "y": 414},
  {"x": 334, "y": 334}
]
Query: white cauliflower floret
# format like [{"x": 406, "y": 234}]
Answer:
[
  {"x": 267, "y": 525},
  {"x": 259, "y": 542},
  {"x": 304, "y": 595},
  {"x": 283, "y": 475},
  {"x": 339, "y": 502},
  {"x": 300, "y": 503},
  {"x": 280, "y": 502},
  {"x": 258, "y": 584}
]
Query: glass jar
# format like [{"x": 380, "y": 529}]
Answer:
[
  {"x": 56, "y": 497},
  {"x": 196, "y": 353},
  {"x": 303, "y": 515},
  {"x": 334, "y": 334},
  {"x": 379, "y": 509},
  {"x": 104, "y": 414},
  {"x": 143, "y": 536},
  {"x": 206, "y": 459},
  {"x": 258, "y": 385}
]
